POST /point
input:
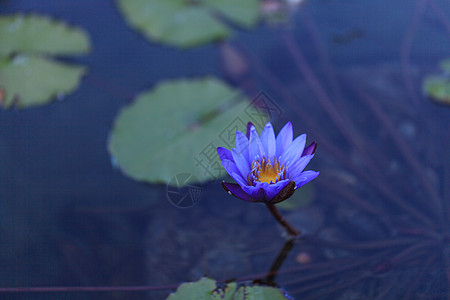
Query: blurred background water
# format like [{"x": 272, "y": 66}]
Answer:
[{"x": 69, "y": 218}]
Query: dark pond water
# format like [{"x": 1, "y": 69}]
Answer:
[{"x": 378, "y": 225}]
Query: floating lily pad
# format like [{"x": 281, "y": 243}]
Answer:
[
  {"x": 438, "y": 88},
  {"x": 244, "y": 13},
  {"x": 204, "y": 289},
  {"x": 38, "y": 34},
  {"x": 176, "y": 128},
  {"x": 207, "y": 289},
  {"x": 36, "y": 80},
  {"x": 28, "y": 77},
  {"x": 184, "y": 23},
  {"x": 257, "y": 292}
]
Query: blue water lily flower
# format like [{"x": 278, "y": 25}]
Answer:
[{"x": 267, "y": 169}]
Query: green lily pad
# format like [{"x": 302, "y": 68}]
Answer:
[
  {"x": 204, "y": 289},
  {"x": 39, "y": 34},
  {"x": 257, "y": 292},
  {"x": 28, "y": 77},
  {"x": 437, "y": 88},
  {"x": 244, "y": 13},
  {"x": 207, "y": 289},
  {"x": 176, "y": 128},
  {"x": 188, "y": 23},
  {"x": 30, "y": 80}
]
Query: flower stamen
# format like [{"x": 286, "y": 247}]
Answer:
[{"x": 264, "y": 171}]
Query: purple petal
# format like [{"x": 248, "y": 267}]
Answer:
[
  {"x": 268, "y": 140},
  {"x": 256, "y": 192},
  {"x": 249, "y": 126},
  {"x": 224, "y": 154},
  {"x": 297, "y": 166},
  {"x": 310, "y": 149},
  {"x": 231, "y": 168},
  {"x": 295, "y": 150},
  {"x": 241, "y": 163},
  {"x": 242, "y": 144},
  {"x": 238, "y": 179},
  {"x": 285, "y": 193},
  {"x": 284, "y": 139},
  {"x": 256, "y": 147},
  {"x": 273, "y": 189},
  {"x": 236, "y": 190},
  {"x": 305, "y": 177},
  {"x": 264, "y": 192}
]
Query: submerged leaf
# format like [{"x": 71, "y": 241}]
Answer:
[
  {"x": 28, "y": 77},
  {"x": 184, "y": 23},
  {"x": 176, "y": 128}
]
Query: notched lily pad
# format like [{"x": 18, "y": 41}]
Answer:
[
  {"x": 188, "y": 23},
  {"x": 176, "y": 128},
  {"x": 28, "y": 77},
  {"x": 207, "y": 289}
]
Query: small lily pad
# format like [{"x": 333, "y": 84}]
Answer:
[
  {"x": 184, "y": 23},
  {"x": 257, "y": 292},
  {"x": 204, "y": 289},
  {"x": 207, "y": 289},
  {"x": 176, "y": 128},
  {"x": 28, "y": 77},
  {"x": 438, "y": 88}
]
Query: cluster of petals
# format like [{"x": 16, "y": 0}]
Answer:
[{"x": 267, "y": 168}]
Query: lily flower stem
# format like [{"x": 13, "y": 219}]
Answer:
[{"x": 276, "y": 213}]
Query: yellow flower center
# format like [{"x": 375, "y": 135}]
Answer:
[{"x": 264, "y": 171}]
